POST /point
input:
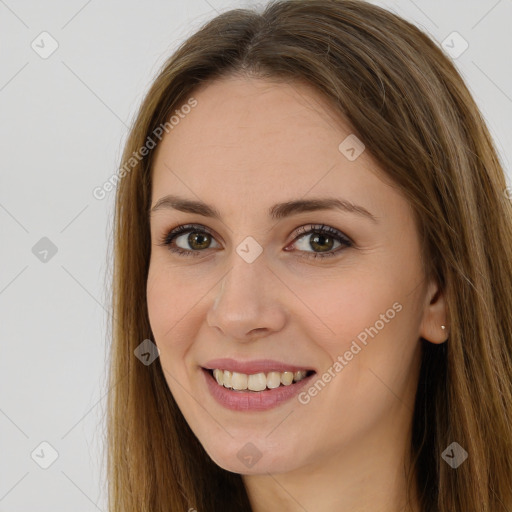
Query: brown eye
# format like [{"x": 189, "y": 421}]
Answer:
[
  {"x": 202, "y": 240},
  {"x": 198, "y": 240},
  {"x": 322, "y": 240}
]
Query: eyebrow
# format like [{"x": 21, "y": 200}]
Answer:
[{"x": 276, "y": 212}]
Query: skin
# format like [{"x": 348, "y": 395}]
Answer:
[{"x": 248, "y": 144}]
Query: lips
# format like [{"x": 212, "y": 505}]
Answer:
[
  {"x": 274, "y": 395},
  {"x": 254, "y": 366},
  {"x": 252, "y": 401}
]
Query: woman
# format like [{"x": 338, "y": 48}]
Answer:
[{"x": 313, "y": 276}]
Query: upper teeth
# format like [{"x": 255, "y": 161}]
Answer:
[{"x": 257, "y": 381}]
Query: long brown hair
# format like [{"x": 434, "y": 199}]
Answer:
[{"x": 406, "y": 101}]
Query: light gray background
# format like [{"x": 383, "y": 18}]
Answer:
[{"x": 63, "y": 122}]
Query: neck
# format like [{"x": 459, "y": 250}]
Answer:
[{"x": 368, "y": 475}]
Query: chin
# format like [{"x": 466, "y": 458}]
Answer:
[{"x": 253, "y": 457}]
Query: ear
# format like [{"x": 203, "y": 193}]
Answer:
[{"x": 434, "y": 316}]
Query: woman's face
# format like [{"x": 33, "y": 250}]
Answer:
[{"x": 267, "y": 289}]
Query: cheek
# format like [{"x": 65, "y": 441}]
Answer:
[
  {"x": 167, "y": 302},
  {"x": 342, "y": 307},
  {"x": 377, "y": 339},
  {"x": 161, "y": 303},
  {"x": 174, "y": 310},
  {"x": 371, "y": 319}
]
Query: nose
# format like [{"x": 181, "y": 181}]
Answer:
[{"x": 248, "y": 304}]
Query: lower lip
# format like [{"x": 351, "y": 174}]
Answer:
[{"x": 250, "y": 400}]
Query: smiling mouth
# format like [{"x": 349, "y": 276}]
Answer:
[{"x": 257, "y": 382}]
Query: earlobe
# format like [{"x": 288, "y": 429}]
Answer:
[{"x": 434, "y": 326}]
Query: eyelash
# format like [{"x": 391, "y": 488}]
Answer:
[{"x": 169, "y": 237}]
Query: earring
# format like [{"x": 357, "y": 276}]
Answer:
[{"x": 443, "y": 327}]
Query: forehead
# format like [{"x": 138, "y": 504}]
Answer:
[{"x": 263, "y": 140}]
